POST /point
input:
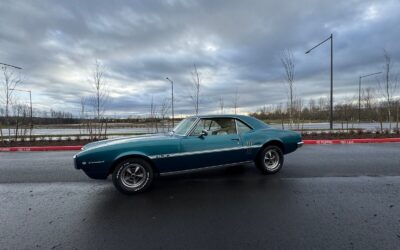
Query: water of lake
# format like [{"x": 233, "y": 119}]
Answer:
[{"x": 316, "y": 126}]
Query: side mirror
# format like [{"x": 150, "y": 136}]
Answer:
[{"x": 204, "y": 133}]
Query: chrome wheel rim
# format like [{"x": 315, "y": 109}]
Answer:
[
  {"x": 271, "y": 160},
  {"x": 133, "y": 175}
]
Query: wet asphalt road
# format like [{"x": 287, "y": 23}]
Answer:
[{"x": 327, "y": 196}]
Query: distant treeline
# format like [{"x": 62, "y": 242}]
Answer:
[
  {"x": 371, "y": 110},
  {"x": 13, "y": 120}
]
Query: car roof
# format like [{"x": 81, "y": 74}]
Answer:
[{"x": 251, "y": 121}]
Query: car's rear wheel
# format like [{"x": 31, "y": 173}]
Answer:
[
  {"x": 133, "y": 176},
  {"x": 270, "y": 160}
]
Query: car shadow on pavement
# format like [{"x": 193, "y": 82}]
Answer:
[
  {"x": 179, "y": 201},
  {"x": 224, "y": 184}
]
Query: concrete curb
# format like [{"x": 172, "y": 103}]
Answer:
[
  {"x": 40, "y": 148},
  {"x": 310, "y": 142},
  {"x": 352, "y": 141}
]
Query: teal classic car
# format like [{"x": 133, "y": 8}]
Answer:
[{"x": 197, "y": 142}]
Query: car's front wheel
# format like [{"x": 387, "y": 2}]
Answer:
[
  {"x": 270, "y": 160},
  {"x": 133, "y": 176}
]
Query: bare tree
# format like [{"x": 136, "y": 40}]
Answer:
[
  {"x": 312, "y": 104},
  {"x": 153, "y": 116},
  {"x": 83, "y": 106},
  {"x": 196, "y": 89},
  {"x": 20, "y": 115},
  {"x": 10, "y": 82},
  {"x": 298, "y": 107},
  {"x": 289, "y": 67},
  {"x": 281, "y": 115},
  {"x": 99, "y": 100},
  {"x": 379, "y": 110},
  {"x": 368, "y": 96},
  {"x": 388, "y": 86},
  {"x": 164, "y": 110},
  {"x": 346, "y": 111},
  {"x": 82, "y": 115},
  {"x": 323, "y": 104},
  {"x": 312, "y": 107},
  {"x": 221, "y": 104},
  {"x": 236, "y": 101}
]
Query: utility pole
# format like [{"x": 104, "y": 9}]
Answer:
[{"x": 331, "y": 107}]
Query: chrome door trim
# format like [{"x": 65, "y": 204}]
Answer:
[
  {"x": 202, "y": 152},
  {"x": 193, "y": 126}
]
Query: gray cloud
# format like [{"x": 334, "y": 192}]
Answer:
[{"x": 235, "y": 44}]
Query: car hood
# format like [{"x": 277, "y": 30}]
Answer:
[{"x": 122, "y": 140}]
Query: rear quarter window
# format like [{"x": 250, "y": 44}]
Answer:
[{"x": 242, "y": 128}]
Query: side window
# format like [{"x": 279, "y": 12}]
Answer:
[
  {"x": 202, "y": 124},
  {"x": 242, "y": 128},
  {"x": 215, "y": 127}
]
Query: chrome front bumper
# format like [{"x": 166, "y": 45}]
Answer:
[
  {"x": 75, "y": 163},
  {"x": 300, "y": 144}
]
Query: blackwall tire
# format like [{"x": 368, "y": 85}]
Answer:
[
  {"x": 270, "y": 160},
  {"x": 133, "y": 176}
]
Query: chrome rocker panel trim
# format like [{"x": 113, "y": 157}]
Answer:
[{"x": 195, "y": 170}]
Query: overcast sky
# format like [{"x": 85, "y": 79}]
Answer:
[{"x": 235, "y": 45}]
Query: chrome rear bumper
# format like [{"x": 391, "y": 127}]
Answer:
[{"x": 300, "y": 144}]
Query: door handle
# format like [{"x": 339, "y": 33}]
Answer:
[{"x": 235, "y": 139}]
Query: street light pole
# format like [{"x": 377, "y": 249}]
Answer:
[
  {"x": 172, "y": 101},
  {"x": 331, "y": 113},
  {"x": 9, "y": 65},
  {"x": 308, "y": 51},
  {"x": 359, "y": 93}
]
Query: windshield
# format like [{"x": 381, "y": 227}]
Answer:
[{"x": 183, "y": 127}]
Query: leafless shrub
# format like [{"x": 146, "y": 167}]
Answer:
[
  {"x": 289, "y": 67},
  {"x": 10, "y": 81},
  {"x": 388, "y": 85},
  {"x": 98, "y": 128}
]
